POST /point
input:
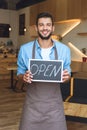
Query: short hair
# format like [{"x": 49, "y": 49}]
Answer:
[{"x": 44, "y": 15}]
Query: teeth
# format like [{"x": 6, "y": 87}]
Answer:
[{"x": 45, "y": 32}]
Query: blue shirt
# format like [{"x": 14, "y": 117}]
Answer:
[{"x": 25, "y": 54}]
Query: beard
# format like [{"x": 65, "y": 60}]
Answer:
[{"x": 44, "y": 37}]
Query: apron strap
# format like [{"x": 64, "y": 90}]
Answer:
[
  {"x": 33, "y": 52},
  {"x": 56, "y": 54}
]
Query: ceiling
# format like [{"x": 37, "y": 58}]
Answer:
[
  {"x": 17, "y": 4},
  {"x": 8, "y": 4}
]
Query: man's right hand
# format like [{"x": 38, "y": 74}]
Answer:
[{"x": 27, "y": 77}]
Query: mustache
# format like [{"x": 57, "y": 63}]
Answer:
[{"x": 45, "y": 30}]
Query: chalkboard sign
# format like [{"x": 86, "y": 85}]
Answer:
[{"x": 46, "y": 70}]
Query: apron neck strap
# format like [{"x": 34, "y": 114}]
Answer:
[
  {"x": 56, "y": 54},
  {"x": 33, "y": 52}
]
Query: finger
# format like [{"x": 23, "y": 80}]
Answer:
[{"x": 28, "y": 77}]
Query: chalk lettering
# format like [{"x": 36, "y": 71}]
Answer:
[
  {"x": 41, "y": 68},
  {"x": 34, "y": 69},
  {"x": 49, "y": 71},
  {"x": 55, "y": 71},
  {"x": 46, "y": 70}
]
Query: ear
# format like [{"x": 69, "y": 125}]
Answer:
[
  {"x": 35, "y": 28},
  {"x": 53, "y": 28}
]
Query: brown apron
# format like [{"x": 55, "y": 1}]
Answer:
[{"x": 43, "y": 107}]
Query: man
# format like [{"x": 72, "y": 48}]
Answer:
[{"x": 43, "y": 107}]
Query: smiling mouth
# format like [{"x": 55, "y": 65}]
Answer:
[{"x": 45, "y": 32}]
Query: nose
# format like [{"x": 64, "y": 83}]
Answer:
[{"x": 45, "y": 27}]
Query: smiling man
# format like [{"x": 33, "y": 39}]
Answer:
[
  {"x": 45, "y": 28},
  {"x": 43, "y": 107}
]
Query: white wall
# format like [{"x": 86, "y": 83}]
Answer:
[
  {"x": 24, "y": 38},
  {"x": 10, "y": 17}
]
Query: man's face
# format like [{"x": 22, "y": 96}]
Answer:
[{"x": 44, "y": 28}]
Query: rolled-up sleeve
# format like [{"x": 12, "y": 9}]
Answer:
[{"x": 67, "y": 61}]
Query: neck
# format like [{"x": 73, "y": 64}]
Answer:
[{"x": 45, "y": 43}]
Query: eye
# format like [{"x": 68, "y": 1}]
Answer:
[
  {"x": 40, "y": 24},
  {"x": 49, "y": 24}
]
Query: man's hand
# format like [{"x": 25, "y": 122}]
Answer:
[
  {"x": 65, "y": 76},
  {"x": 27, "y": 77}
]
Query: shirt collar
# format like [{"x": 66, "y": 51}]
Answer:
[{"x": 38, "y": 46}]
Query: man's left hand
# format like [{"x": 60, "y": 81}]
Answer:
[{"x": 66, "y": 76}]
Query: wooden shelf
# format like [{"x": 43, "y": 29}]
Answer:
[{"x": 83, "y": 34}]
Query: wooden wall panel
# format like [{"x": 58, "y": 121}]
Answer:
[
  {"x": 49, "y": 6},
  {"x": 61, "y": 10},
  {"x": 33, "y": 14},
  {"x": 43, "y": 7},
  {"x": 58, "y": 8},
  {"x": 84, "y": 8},
  {"x": 74, "y": 9}
]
